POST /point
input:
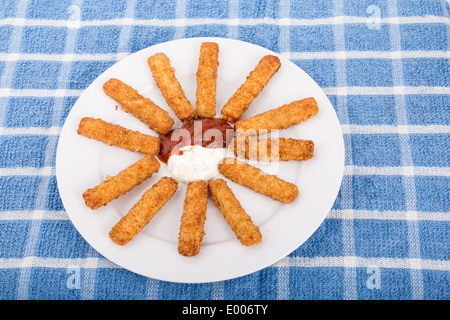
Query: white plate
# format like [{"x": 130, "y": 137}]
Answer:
[{"x": 82, "y": 163}]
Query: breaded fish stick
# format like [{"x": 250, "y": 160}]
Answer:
[
  {"x": 259, "y": 181},
  {"x": 272, "y": 149},
  {"x": 207, "y": 80},
  {"x": 164, "y": 75},
  {"x": 114, "y": 134},
  {"x": 124, "y": 181},
  {"x": 280, "y": 118},
  {"x": 239, "y": 221},
  {"x": 250, "y": 89},
  {"x": 142, "y": 108},
  {"x": 143, "y": 211},
  {"x": 193, "y": 218}
]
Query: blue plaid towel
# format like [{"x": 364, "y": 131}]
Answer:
[{"x": 383, "y": 64}]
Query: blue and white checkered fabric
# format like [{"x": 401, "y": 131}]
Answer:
[{"x": 383, "y": 64}]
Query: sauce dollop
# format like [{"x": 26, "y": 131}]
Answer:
[
  {"x": 196, "y": 163},
  {"x": 208, "y": 133}
]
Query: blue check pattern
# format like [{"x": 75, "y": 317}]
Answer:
[{"x": 383, "y": 64}]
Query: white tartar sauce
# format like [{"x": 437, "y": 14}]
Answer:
[{"x": 196, "y": 163}]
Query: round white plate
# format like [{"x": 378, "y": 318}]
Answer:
[{"x": 82, "y": 163}]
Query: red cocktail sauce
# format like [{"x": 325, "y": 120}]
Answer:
[{"x": 209, "y": 133}]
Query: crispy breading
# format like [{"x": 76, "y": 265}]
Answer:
[
  {"x": 258, "y": 181},
  {"x": 238, "y": 220},
  {"x": 193, "y": 218},
  {"x": 143, "y": 211},
  {"x": 124, "y": 181},
  {"x": 251, "y": 88},
  {"x": 271, "y": 149},
  {"x": 114, "y": 134},
  {"x": 164, "y": 75},
  {"x": 280, "y": 118},
  {"x": 142, "y": 108},
  {"x": 207, "y": 80}
]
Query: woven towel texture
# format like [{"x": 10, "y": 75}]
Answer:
[{"x": 384, "y": 66}]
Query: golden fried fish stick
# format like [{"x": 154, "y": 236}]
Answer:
[
  {"x": 280, "y": 118},
  {"x": 114, "y": 134},
  {"x": 239, "y": 221},
  {"x": 250, "y": 89},
  {"x": 124, "y": 181},
  {"x": 272, "y": 149},
  {"x": 143, "y": 211},
  {"x": 164, "y": 75},
  {"x": 207, "y": 80},
  {"x": 193, "y": 218},
  {"x": 142, "y": 108},
  {"x": 258, "y": 181}
]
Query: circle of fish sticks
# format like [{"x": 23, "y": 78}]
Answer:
[{"x": 245, "y": 145}]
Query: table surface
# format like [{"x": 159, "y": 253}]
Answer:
[{"x": 383, "y": 65}]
